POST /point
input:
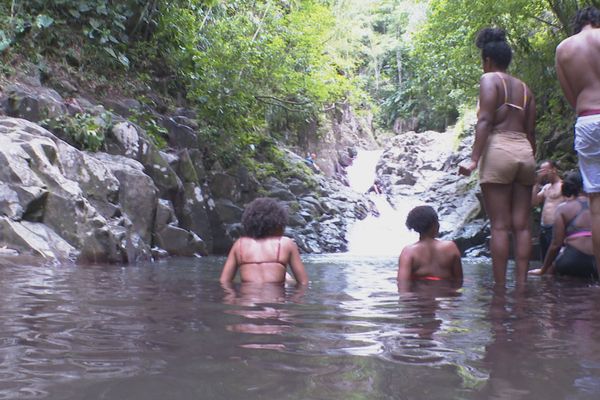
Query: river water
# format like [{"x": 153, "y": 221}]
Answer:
[{"x": 168, "y": 330}]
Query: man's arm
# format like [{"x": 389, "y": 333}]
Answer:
[
  {"x": 538, "y": 195},
  {"x": 562, "y": 78}
]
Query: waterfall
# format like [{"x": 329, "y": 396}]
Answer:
[{"x": 385, "y": 234}]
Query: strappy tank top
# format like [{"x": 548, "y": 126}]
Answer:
[
  {"x": 506, "y": 102},
  {"x": 275, "y": 261},
  {"x": 571, "y": 229}
]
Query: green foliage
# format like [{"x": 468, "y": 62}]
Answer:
[
  {"x": 442, "y": 65},
  {"x": 156, "y": 132},
  {"x": 84, "y": 131},
  {"x": 247, "y": 67}
]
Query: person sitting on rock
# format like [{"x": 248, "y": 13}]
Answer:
[
  {"x": 429, "y": 258},
  {"x": 571, "y": 251},
  {"x": 310, "y": 161},
  {"x": 263, "y": 253}
]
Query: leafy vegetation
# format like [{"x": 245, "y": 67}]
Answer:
[
  {"x": 84, "y": 131},
  {"x": 443, "y": 65},
  {"x": 259, "y": 72}
]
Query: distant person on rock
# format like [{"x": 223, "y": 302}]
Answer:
[
  {"x": 578, "y": 70},
  {"x": 263, "y": 253},
  {"x": 504, "y": 149},
  {"x": 429, "y": 258},
  {"x": 547, "y": 191},
  {"x": 310, "y": 161},
  {"x": 572, "y": 235}
]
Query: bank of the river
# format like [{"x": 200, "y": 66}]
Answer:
[{"x": 131, "y": 199}]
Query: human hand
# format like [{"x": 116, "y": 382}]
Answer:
[{"x": 467, "y": 167}]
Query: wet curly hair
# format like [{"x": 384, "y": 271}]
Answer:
[
  {"x": 264, "y": 217},
  {"x": 585, "y": 16},
  {"x": 572, "y": 184},
  {"x": 421, "y": 219},
  {"x": 493, "y": 44}
]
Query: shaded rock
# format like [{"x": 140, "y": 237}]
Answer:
[
  {"x": 227, "y": 211},
  {"x": 225, "y": 186},
  {"x": 471, "y": 235},
  {"x": 123, "y": 107},
  {"x": 138, "y": 195},
  {"x": 281, "y": 194},
  {"x": 34, "y": 238},
  {"x": 33, "y": 103},
  {"x": 180, "y": 134},
  {"x": 165, "y": 215},
  {"x": 22, "y": 202},
  {"x": 179, "y": 242}
]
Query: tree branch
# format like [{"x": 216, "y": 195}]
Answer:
[
  {"x": 295, "y": 103},
  {"x": 544, "y": 21},
  {"x": 264, "y": 99}
]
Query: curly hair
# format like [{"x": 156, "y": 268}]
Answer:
[
  {"x": 264, "y": 217},
  {"x": 586, "y": 16},
  {"x": 572, "y": 184},
  {"x": 493, "y": 44},
  {"x": 421, "y": 219}
]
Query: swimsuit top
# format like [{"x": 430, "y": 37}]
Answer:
[
  {"x": 506, "y": 103},
  {"x": 571, "y": 230},
  {"x": 275, "y": 261}
]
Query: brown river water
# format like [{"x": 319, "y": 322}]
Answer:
[{"x": 168, "y": 330}]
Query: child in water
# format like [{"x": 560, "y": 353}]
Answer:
[
  {"x": 263, "y": 254},
  {"x": 429, "y": 258}
]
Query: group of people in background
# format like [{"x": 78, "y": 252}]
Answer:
[{"x": 504, "y": 152}]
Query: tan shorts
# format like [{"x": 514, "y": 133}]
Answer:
[{"x": 507, "y": 158}]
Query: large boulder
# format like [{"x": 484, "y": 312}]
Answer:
[{"x": 34, "y": 103}]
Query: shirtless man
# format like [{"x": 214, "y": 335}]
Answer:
[
  {"x": 578, "y": 70},
  {"x": 429, "y": 258},
  {"x": 551, "y": 195}
]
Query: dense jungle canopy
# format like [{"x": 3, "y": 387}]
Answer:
[{"x": 257, "y": 71}]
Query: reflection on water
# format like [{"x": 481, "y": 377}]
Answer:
[
  {"x": 170, "y": 331},
  {"x": 261, "y": 304}
]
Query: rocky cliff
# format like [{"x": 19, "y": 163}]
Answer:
[
  {"x": 132, "y": 200},
  {"x": 425, "y": 166}
]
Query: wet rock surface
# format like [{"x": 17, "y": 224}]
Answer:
[
  {"x": 425, "y": 165},
  {"x": 132, "y": 201}
]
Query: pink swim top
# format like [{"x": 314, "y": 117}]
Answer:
[{"x": 580, "y": 234}]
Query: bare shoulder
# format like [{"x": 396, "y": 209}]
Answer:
[
  {"x": 408, "y": 250},
  {"x": 449, "y": 246},
  {"x": 564, "y": 44},
  {"x": 288, "y": 242},
  {"x": 488, "y": 77}
]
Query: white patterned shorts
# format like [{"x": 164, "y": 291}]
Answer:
[{"x": 587, "y": 145}]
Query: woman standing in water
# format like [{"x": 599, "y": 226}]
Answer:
[
  {"x": 263, "y": 254},
  {"x": 504, "y": 148}
]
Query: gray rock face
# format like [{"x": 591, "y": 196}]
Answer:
[
  {"x": 133, "y": 200},
  {"x": 33, "y": 103},
  {"x": 425, "y": 165},
  {"x": 61, "y": 203}
]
